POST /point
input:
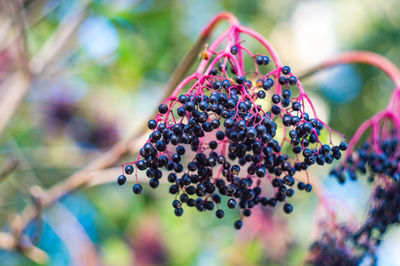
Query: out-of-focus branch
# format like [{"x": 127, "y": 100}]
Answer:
[
  {"x": 14, "y": 90},
  {"x": 8, "y": 168},
  {"x": 34, "y": 13},
  {"x": 183, "y": 68},
  {"x": 16, "y": 87},
  {"x": 361, "y": 57},
  {"x": 8, "y": 242},
  {"x": 56, "y": 43}
]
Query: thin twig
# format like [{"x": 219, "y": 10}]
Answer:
[
  {"x": 8, "y": 168},
  {"x": 362, "y": 57},
  {"x": 8, "y": 242},
  {"x": 35, "y": 12},
  {"x": 16, "y": 87}
]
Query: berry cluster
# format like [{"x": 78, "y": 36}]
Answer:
[
  {"x": 223, "y": 138},
  {"x": 379, "y": 156},
  {"x": 349, "y": 245},
  {"x": 366, "y": 160},
  {"x": 331, "y": 249},
  {"x": 384, "y": 211}
]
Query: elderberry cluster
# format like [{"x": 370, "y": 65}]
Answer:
[
  {"x": 371, "y": 160},
  {"x": 219, "y": 142}
]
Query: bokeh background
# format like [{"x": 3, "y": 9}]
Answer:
[{"x": 109, "y": 76}]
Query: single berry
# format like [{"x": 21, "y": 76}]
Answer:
[
  {"x": 276, "y": 98},
  {"x": 152, "y": 124},
  {"x": 259, "y": 60},
  {"x": 343, "y": 146},
  {"x": 183, "y": 98},
  {"x": 282, "y": 80},
  {"x": 226, "y": 84},
  {"x": 287, "y": 208},
  {"x": 301, "y": 185},
  {"x": 238, "y": 224},
  {"x": 240, "y": 79},
  {"x": 231, "y": 203},
  {"x": 129, "y": 169},
  {"x": 292, "y": 80},
  {"x": 137, "y": 188},
  {"x": 286, "y": 70},
  {"x": 265, "y": 60},
  {"x": 178, "y": 212},
  {"x": 121, "y": 180},
  {"x": 163, "y": 108},
  {"x": 176, "y": 204},
  {"x": 247, "y": 212},
  {"x": 261, "y": 94},
  {"x": 219, "y": 213},
  {"x": 234, "y": 50}
]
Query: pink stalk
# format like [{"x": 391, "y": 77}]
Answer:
[
  {"x": 386, "y": 66},
  {"x": 368, "y": 58},
  {"x": 182, "y": 85},
  {"x": 218, "y": 18},
  {"x": 263, "y": 41},
  {"x": 240, "y": 53},
  {"x": 212, "y": 49}
]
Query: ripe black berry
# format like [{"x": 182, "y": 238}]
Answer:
[
  {"x": 176, "y": 204},
  {"x": 265, "y": 60},
  {"x": 163, "y": 108},
  {"x": 301, "y": 186},
  {"x": 238, "y": 224},
  {"x": 259, "y": 60},
  {"x": 282, "y": 80},
  {"x": 231, "y": 203},
  {"x": 286, "y": 70},
  {"x": 276, "y": 98},
  {"x": 121, "y": 180},
  {"x": 292, "y": 80},
  {"x": 219, "y": 213},
  {"x": 137, "y": 188},
  {"x": 152, "y": 124},
  {"x": 178, "y": 212},
  {"x": 287, "y": 208},
  {"x": 247, "y": 212},
  {"x": 234, "y": 50},
  {"x": 129, "y": 169}
]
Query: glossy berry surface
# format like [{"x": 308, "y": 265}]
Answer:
[
  {"x": 121, "y": 180},
  {"x": 137, "y": 188}
]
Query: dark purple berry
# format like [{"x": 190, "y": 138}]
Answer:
[{"x": 137, "y": 188}]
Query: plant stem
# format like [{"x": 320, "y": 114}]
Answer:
[
  {"x": 362, "y": 57},
  {"x": 380, "y": 62}
]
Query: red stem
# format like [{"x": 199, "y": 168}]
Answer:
[
  {"x": 218, "y": 18},
  {"x": 386, "y": 66},
  {"x": 369, "y": 58},
  {"x": 263, "y": 41}
]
